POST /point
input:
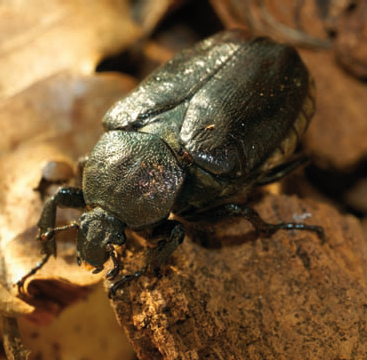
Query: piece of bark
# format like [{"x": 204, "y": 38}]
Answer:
[{"x": 287, "y": 297}]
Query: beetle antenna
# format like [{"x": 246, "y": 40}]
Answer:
[{"x": 51, "y": 232}]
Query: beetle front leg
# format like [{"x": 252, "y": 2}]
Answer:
[
  {"x": 65, "y": 197},
  {"x": 172, "y": 234}
]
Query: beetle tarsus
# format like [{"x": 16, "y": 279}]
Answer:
[
  {"x": 299, "y": 226},
  {"x": 251, "y": 215},
  {"x": 124, "y": 281},
  {"x": 48, "y": 249},
  {"x": 21, "y": 282},
  {"x": 269, "y": 229}
]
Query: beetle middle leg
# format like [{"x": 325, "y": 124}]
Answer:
[
  {"x": 170, "y": 235},
  {"x": 66, "y": 196}
]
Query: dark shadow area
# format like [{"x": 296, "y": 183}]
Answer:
[{"x": 181, "y": 28}]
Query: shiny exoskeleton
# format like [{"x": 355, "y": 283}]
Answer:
[{"x": 192, "y": 139}]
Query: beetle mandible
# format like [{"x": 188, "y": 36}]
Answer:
[{"x": 195, "y": 136}]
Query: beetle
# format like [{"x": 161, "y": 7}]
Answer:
[{"x": 195, "y": 137}]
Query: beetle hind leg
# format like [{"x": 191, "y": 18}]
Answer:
[
  {"x": 269, "y": 229},
  {"x": 170, "y": 235},
  {"x": 262, "y": 227}
]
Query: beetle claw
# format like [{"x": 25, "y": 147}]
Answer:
[
  {"x": 124, "y": 282},
  {"x": 111, "y": 274},
  {"x": 118, "y": 285},
  {"x": 21, "y": 282}
]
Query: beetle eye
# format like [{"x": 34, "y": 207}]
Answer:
[{"x": 79, "y": 261}]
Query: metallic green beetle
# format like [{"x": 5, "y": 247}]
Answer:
[{"x": 193, "y": 138}]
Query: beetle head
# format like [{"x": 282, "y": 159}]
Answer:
[{"x": 97, "y": 231}]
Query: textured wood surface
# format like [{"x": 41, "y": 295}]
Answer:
[{"x": 287, "y": 297}]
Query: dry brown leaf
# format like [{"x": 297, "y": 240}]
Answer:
[
  {"x": 337, "y": 133},
  {"x": 85, "y": 330},
  {"x": 40, "y": 39},
  {"x": 339, "y": 24},
  {"x": 75, "y": 132},
  {"x": 293, "y": 22},
  {"x": 62, "y": 104},
  {"x": 346, "y": 23}
]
